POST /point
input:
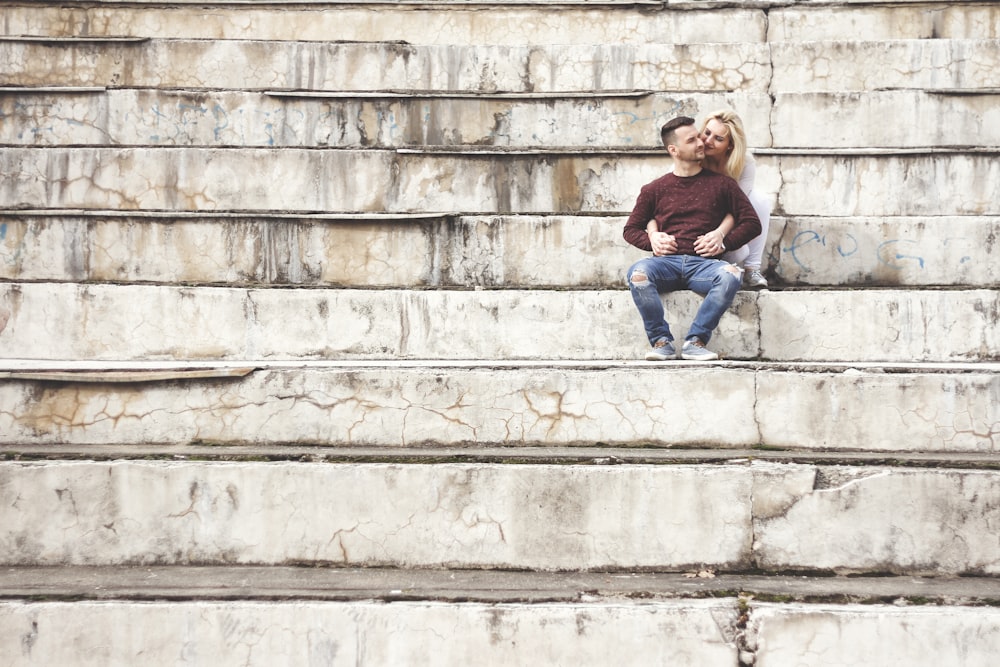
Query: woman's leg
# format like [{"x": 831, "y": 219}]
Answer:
[{"x": 755, "y": 248}]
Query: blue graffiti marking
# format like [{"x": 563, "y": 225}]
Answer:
[
  {"x": 803, "y": 239},
  {"x": 848, "y": 253},
  {"x": 221, "y": 120},
  {"x": 964, "y": 258},
  {"x": 809, "y": 237},
  {"x": 157, "y": 114},
  {"x": 3, "y": 231},
  {"x": 887, "y": 253}
]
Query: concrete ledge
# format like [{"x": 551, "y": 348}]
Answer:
[
  {"x": 275, "y": 583},
  {"x": 872, "y": 22},
  {"x": 837, "y": 636},
  {"x": 480, "y": 181},
  {"x": 909, "y": 185},
  {"x": 875, "y": 520},
  {"x": 862, "y": 411},
  {"x": 843, "y": 119},
  {"x": 429, "y": 250},
  {"x": 394, "y": 406},
  {"x": 949, "y": 250},
  {"x": 71, "y": 321},
  {"x": 375, "y": 634},
  {"x": 585, "y": 632},
  {"x": 562, "y": 454},
  {"x": 97, "y": 116},
  {"x": 446, "y": 515},
  {"x": 393, "y": 65},
  {"x": 510, "y": 23},
  {"x": 766, "y": 516},
  {"x": 802, "y": 66},
  {"x": 471, "y": 405},
  {"x": 388, "y": 120}
]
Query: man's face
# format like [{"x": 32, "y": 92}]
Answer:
[{"x": 689, "y": 146}]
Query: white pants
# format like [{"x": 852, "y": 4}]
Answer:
[{"x": 750, "y": 255}]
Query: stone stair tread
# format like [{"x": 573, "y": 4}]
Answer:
[
  {"x": 233, "y": 582},
  {"x": 535, "y": 454},
  {"x": 164, "y": 178},
  {"x": 23, "y": 367}
]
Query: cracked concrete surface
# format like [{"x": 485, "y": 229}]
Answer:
[
  {"x": 537, "y": 517},
  {"x": 845, "y": 410},
  {"x": 412, "y": 633},
  {"x": 65, "y": 321},
  {"x": 885, "y": 520},
  {"x": 362, "y": 66},
  {"x": 838, "y": 636},
  {"x": 750, "y": 516},
  {"x": 73, "y": 321},
  {"x": 466, "y": 251},
  {"x": 576, "y": 180}
]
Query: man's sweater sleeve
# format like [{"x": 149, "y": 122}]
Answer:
[
  {"x": 747, "y": 224},
  {"x": 635, "y": 226}
]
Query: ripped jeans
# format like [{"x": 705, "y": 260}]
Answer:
[{"x": 714, "y": 279}]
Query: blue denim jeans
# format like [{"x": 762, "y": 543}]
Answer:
[{"x": 714, "y": 279}]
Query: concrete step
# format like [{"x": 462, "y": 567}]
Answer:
[
  {"x": 596, "y": 454},
  {"x": 114, "y": 322},
  {"x": 761, "y": 516},
  {"x": 428, "y": 250},
  {"x": 944, "y": 408},
  {"x": 444, "y": 23},
  {"x": 800, "y": 66},
  {"x": 513, "y": 22},
  {"x": 908, "y": 183},
  {"x": 843, "y": 66},
  {"x": 372, "y": 633},
  {"x": 375, "y": 250},
  {"x": 920, "y": 118},
  {"x": 368, "y": 66},
  {"x": 871, "y": 635},
  {"x": 460, "y": 617},
  {"x": 207, "y": 583},
  {"x": 922, "y": 251},
  {"x": 851, "y": 183},
  {"x": 872, "y": 21},
  {"x": 100, "y": 116}
]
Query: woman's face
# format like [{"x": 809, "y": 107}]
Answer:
[{"x": 716, "y": 138}]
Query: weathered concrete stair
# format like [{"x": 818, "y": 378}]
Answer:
[
  {"x": 422, "y": 250},
  {"x": 306, "y": 310},
  {"x": 70, "y": 321},
  {"x": 848, "y": 407}
]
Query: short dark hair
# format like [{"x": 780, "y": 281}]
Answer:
[{"x": 668, "y": 133}]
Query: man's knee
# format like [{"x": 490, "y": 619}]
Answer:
[
  {"x": 731, "y": 277},
  {"x": 638, "y": 278}
]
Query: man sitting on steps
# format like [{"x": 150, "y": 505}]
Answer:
[{"x": 688, "y": 206}]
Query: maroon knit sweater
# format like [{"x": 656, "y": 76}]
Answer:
[{"x": 687, "y": 207}]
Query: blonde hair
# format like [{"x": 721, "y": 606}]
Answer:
[{"x": 737, "y": 137}]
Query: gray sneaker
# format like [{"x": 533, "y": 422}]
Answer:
[
  {"x": 695, "y": 350},
  {"x": 662, "y": 350},
  {"x": 754, "y": 279}
]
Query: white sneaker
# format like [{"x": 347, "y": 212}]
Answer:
[{"x": 754, "y": 279}]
